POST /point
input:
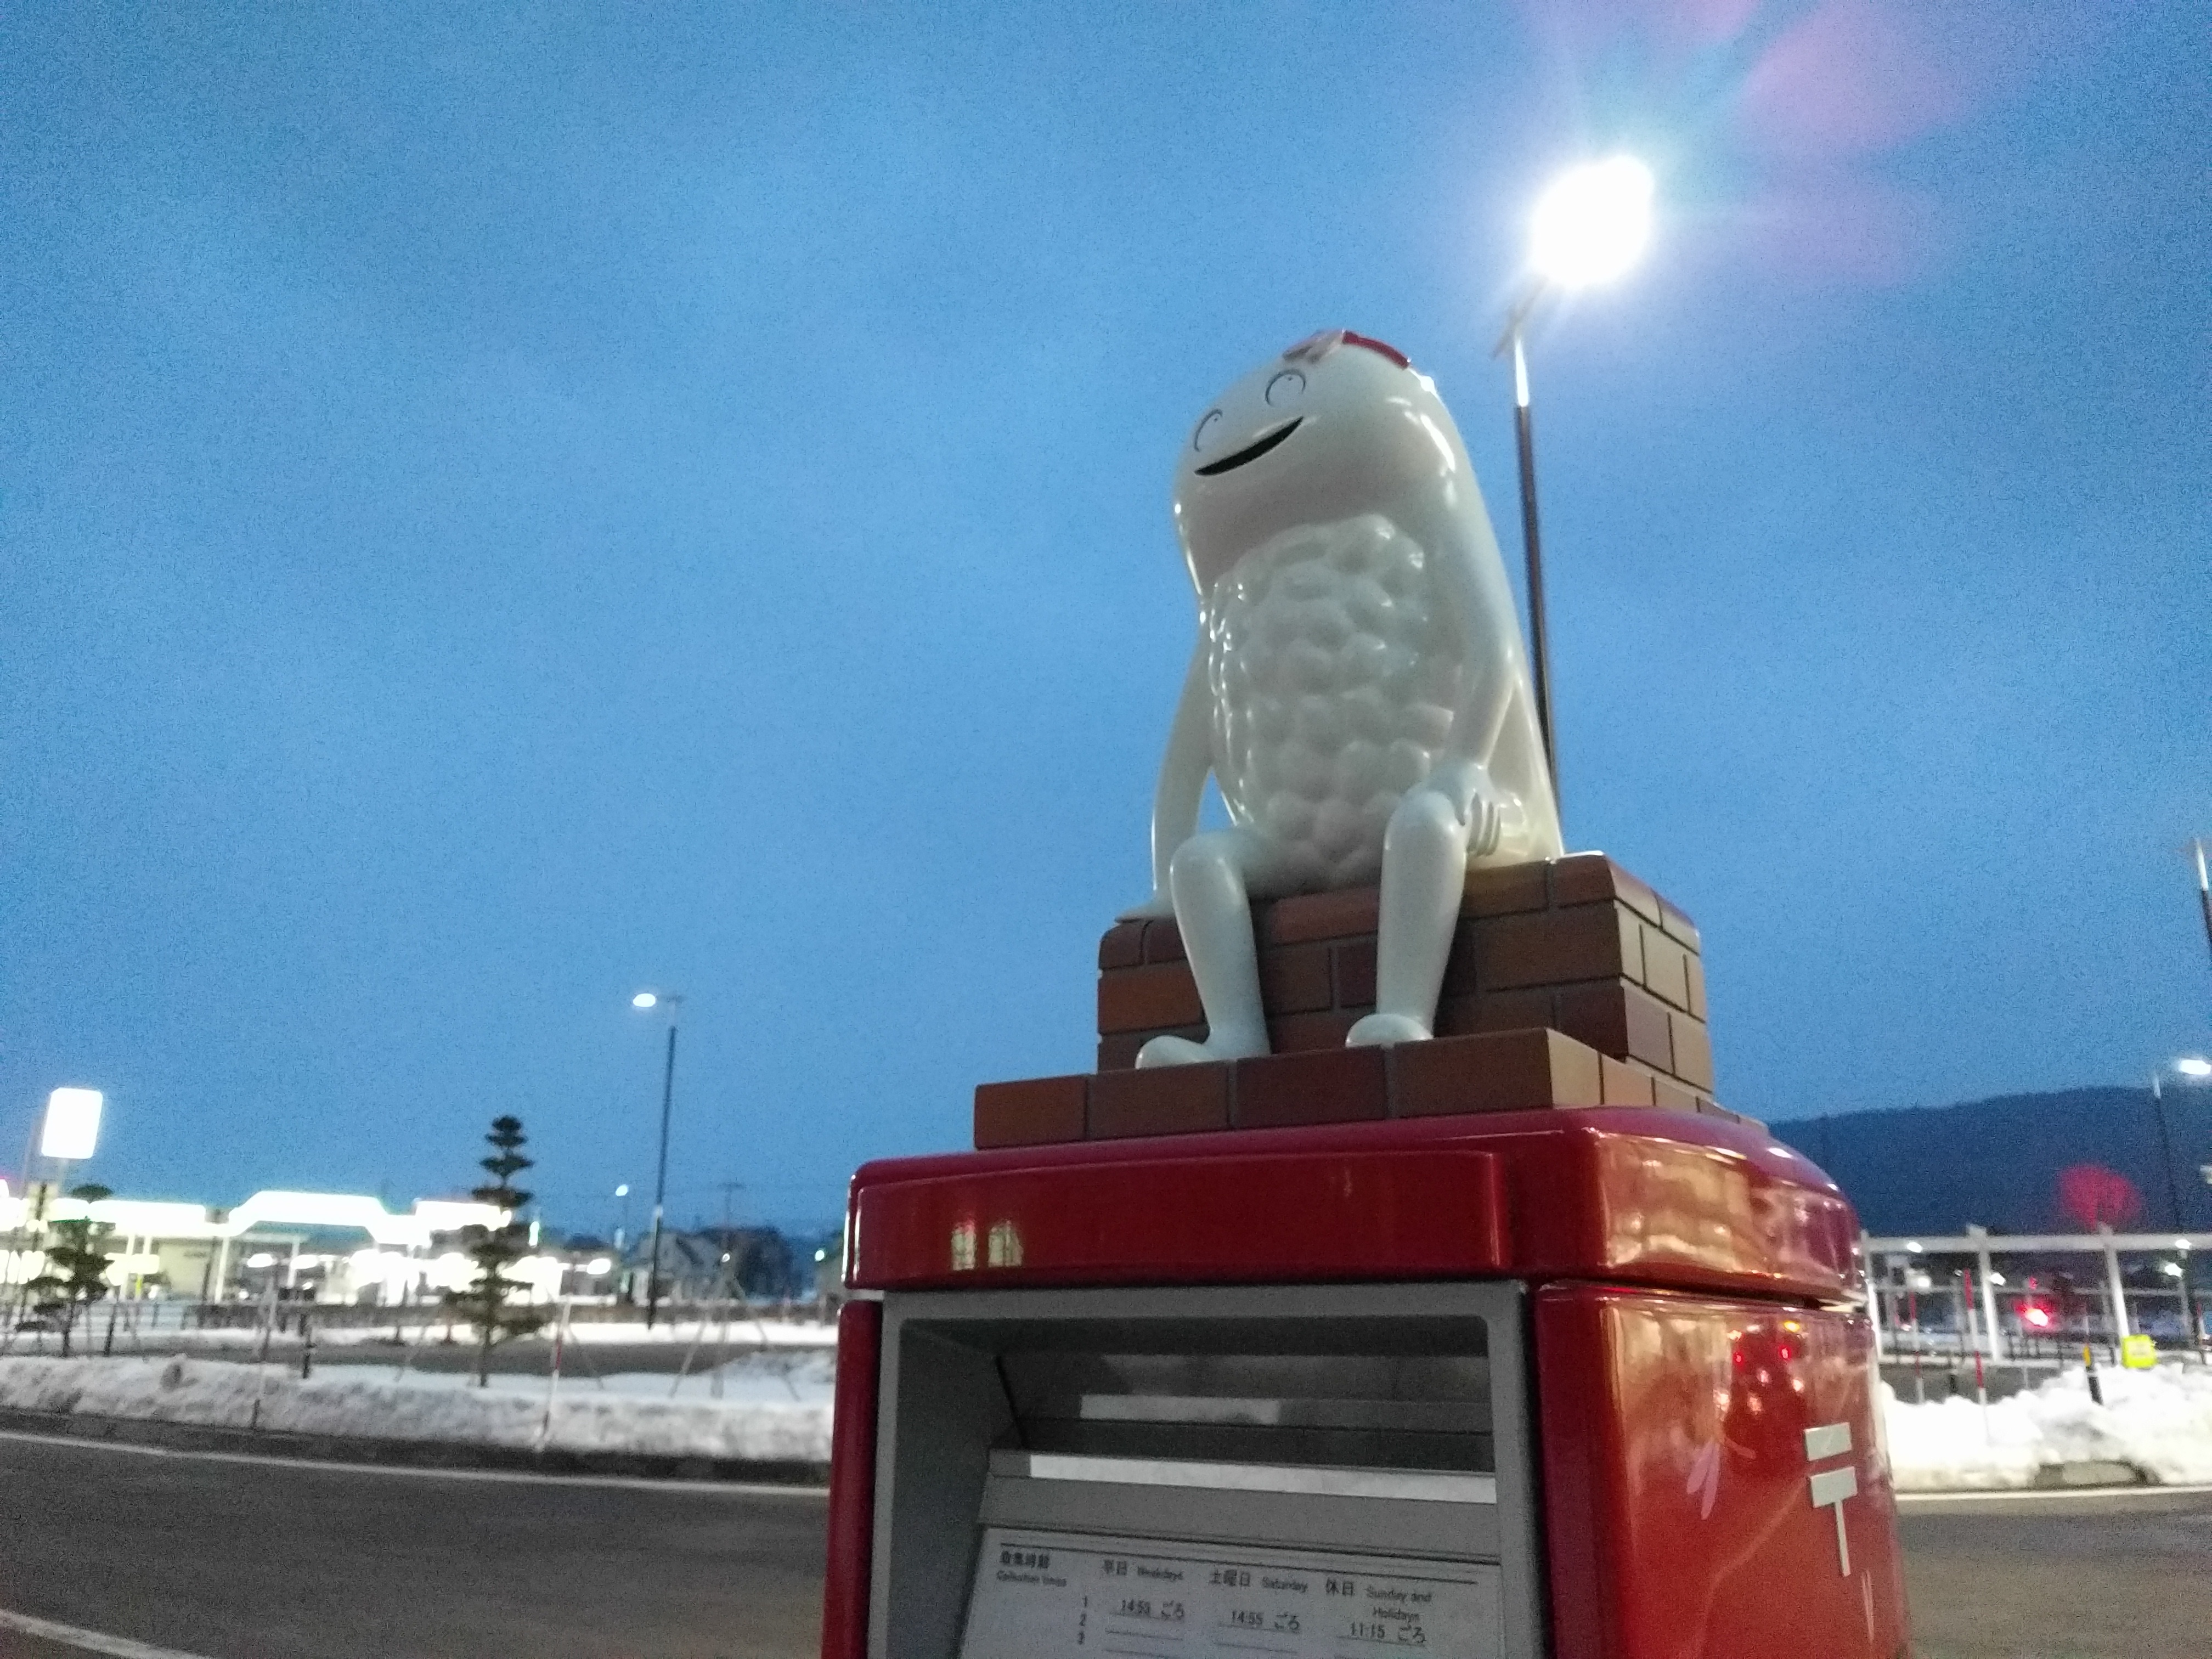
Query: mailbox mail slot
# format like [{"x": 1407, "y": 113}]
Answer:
[{"x": 1261, "y": 1459}]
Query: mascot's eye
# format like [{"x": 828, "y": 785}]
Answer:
[
  {"x": 1285, "y": 388},
  {"x": 1206, "y": 426}
]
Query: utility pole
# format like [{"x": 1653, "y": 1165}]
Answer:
[
  {"x": 2204, "y": 889},
  {"x": 660, "y": 1180},
  {"x": 2165, "y": 1146},
  {"x": 673, "y": 1002}
]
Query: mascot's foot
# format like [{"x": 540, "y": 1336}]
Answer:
[
  {"x": 1182, "y": 1051},
  {"x": 1377, "y": 1029}
]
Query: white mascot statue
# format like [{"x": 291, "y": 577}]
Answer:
[{"x": 1357, "y": 691}]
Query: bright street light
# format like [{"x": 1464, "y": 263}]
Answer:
[
  {"x": 644, "y": 1000},
  {"x": 1592, "y": 224},
  {"x": 2193, "y": 1066},
  {"x": 72, "y": 1125},
  {"x": 1589, "y": 228}
]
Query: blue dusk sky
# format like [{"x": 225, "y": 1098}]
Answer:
[{"x": 500, "y": 505}]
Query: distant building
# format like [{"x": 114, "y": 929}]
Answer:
[{"x": 333, "y": 1247}]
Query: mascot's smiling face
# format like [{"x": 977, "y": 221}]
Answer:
[{"x": 1334, "y": 427}]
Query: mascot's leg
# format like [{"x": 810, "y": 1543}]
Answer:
[
  {"x": 1425, "y": 853},
  {"x": 1212, "y": 881}
]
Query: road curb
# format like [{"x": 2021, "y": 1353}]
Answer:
[
  {"x": 409, "y": 1454},
  {"x": 2100, "y": 1474}
]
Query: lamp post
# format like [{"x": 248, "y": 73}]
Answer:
[
  {"x": 2196, "y": 1069},
  {"x": 2178, "y": 1272},
  {"x": 654, "y": 999},
  {"x": 2204, "y": 888},
  {"x": 1589, "y": 228}
]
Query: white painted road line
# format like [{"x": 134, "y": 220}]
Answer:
[
  {"x": 91, "y": 1641},
  {"x": 2045, "y": 1494},
  {"x": 517, "y": 1477}
]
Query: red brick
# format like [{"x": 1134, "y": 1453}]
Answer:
[
  {"x": 1591, "y": 941},
  {"x": 1713, "y": 1109},
  {"x": 1497, "y": 1011},
  {"x": 1592, "y": 877},
  {"x": 1693, "y": 1051},
  {"x": 1666, "y": 968},
  {"x": 1501, "y": 1072},
  {"x": 1123, "y": 946},
  {"x": 1518, "y": 1011},
  {"x": 1623, "y": 1084},
  {"x": 1341, "y": 914},
  {"x": 1693, "y": 971},
  {"x": 1341, "y": 1085},
  {"x": 1672, "y": 1097},
  {"x": 1163, "y": 941},
  {"x": 1294, "y": 979},
  {"x": 1618, "y": 1020},
  {"x": 1679, "y": 926},
  {"x": 1034, "y": 1112},
  {"x": 1504, "y": 889},
  {"x": 1302, "y": 1033},
  {"x": 1118, "y": 1053},
  {"x": 1459, "y": 1016},
  {"x": 1147, "y": 999},
  {"x": 1161, "y": 1100},
  {"x": 1355, "y": 973},
  {"x": 1459, "y": 978}
]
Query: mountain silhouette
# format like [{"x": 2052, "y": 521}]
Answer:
[{"x": 1998, "y": 1162}]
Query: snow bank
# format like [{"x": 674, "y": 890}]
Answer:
[
  {"x": 2159, "y": 1422},
  {"x": 777, "y": 1413},
  {"x": 775, "y": 1407},
  {"x": 741, "y": 1335}
]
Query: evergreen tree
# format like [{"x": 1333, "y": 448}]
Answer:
[
  {"x": 485, "y": 1303},
  {"x": 76, "y": 1274}
]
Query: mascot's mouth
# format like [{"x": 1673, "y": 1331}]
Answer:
[{"x": 1250, "y": 452}]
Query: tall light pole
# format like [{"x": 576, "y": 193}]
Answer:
[
  {"x": 1589, "y": 228},
  {"x": 672, "y": 1002},
  {"x": 2204, "y": 889},
  {"x": 2196, "y": 1069}
]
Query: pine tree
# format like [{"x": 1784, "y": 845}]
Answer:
[
  {"x": 75, "y": 1273},
  {"x": 485, "y": 1303}
]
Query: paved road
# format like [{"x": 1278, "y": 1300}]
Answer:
[
  {"x": 263, "y": 1560},
  {"x": 2067, "y": 1576},
  {"x": 251, "y": 1560}
]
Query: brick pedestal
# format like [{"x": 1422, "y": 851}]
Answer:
[{"x": 1570, "y": 984}]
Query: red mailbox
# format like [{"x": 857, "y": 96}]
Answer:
[{"x": 1594, "y": 1384}]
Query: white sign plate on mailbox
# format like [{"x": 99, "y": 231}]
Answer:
[{"x": 1071, "y": 1596}]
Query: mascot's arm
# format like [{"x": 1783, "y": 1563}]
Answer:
[
  {"x": 1183, "y": 769},
  {"x": 1497, "y": 680}
]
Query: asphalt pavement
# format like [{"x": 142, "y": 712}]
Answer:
[
  {"x": 228, "y": 1557},
  {"x": 2061, "y": 1576},
  {"x": 232, "y": 1559}
]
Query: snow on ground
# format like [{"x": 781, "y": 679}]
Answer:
[
  {"x": 772, "y": 1407},
  {"x": 776, "y": 1406},
  {"x": 2160, "y": 1422},
  {"x": 740, "y": 1334}
]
